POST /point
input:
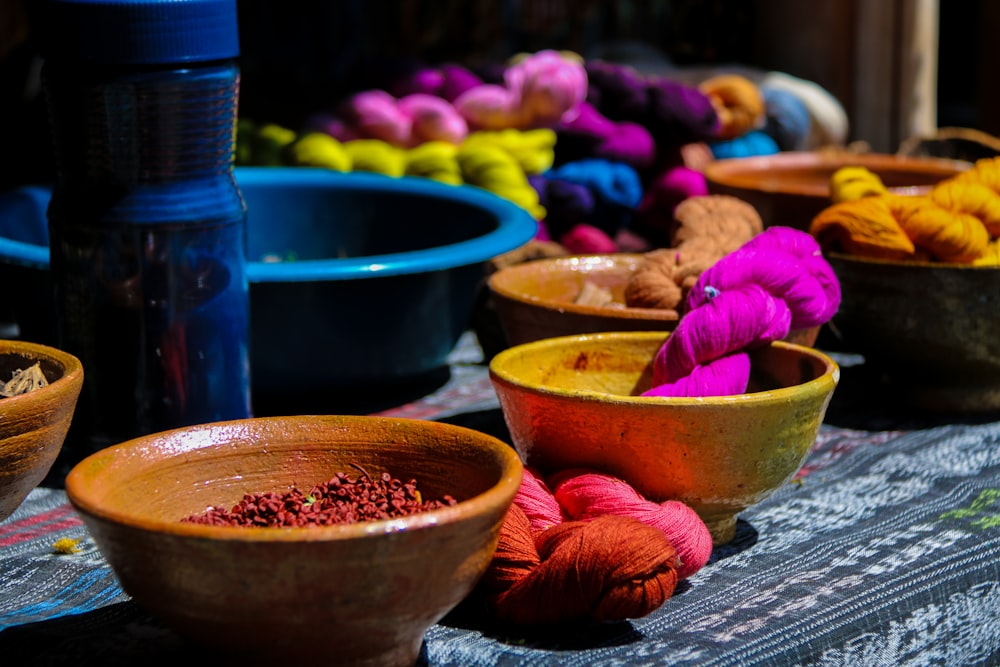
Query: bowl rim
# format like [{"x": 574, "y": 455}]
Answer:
[
  {"x": 496, "y": 284},
  {"x": 498, "y": 372},
  {"x": 901, "y": 264},
  {"x": 516, "y": 226},
  {"x": 731, "y": 172},
  {"x": 72, "y": 370},
  {"x": 84, "y": 500}
]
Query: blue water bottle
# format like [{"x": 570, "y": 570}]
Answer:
[{"x": 147, "y": 225}]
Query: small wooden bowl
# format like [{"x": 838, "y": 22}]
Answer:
[
  {"x": 33, "y": 425},
  {"x": 575, "y": 401},
  {"x": 791, "y": 188},
  {"x": 933, "y": 329},
  {"x": 354, "y": 594}
]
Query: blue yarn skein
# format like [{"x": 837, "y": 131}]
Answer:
[
  {"x": 755, "y": 142},
  {"x": 788, "y": 120},
  {"x": 616, "y": 187}
]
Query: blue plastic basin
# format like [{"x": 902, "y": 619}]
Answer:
[{"x": 377, "y": 281}]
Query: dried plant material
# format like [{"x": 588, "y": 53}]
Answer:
[
  {"x": 592, "y": 294},
  {"x": 23, "y": 380}
]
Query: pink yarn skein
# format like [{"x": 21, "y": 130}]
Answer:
[
  {"x": 751, "y": 297},
  {"x": 585, "y": 495},
  {"x": 406, "y": 122}
]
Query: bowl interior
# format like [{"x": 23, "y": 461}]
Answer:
[
  {"x": 538, "y": 299},
  {"x": 154, "y": 481}
]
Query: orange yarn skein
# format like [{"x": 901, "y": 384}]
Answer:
[
  {"x": 738, "y": 102},
  {"x": 948, "y": 235},
  {"x": 863, "y": 227}
]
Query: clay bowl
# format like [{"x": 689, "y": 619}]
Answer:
[
  {"x": 791, "y": 188},
  {"x": 537, "y": 299},
  {"x": 574, "y": 401},
  {"x": 33, "y": 425},
  {"x": 357, "y": 594},
  {"x": 931, "y": 328}
]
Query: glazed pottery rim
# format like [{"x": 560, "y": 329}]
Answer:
[
  {"x": 625, "y": 313},
  {"x": 819, "y": 385},
  {"x": 81, "y": 495},
  {"x": 734, "y": 172},
  {"x": 71, "y": 368},
  {"x": 515, "y": 227},
  {"x": 902, "y": 264}
]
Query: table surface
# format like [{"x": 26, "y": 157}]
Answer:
[{"x": 883, "y": 551}]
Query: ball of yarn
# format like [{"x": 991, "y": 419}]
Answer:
[
  {"x": 738, "y": 102},
  {"x": 575, "y": 571},
  {"x": 751, "y": 297},
  {"x": 753, "y": 143},
  {"x": 673, "y": 112},
  {"x": 318, "y": 149},
  {"x": 549, "y": 85},
  {"x": 665, "y": 192},
  {"x": 787, "y": 119},
  {"x": 586, "y": 494},
  {"x": 591, "y": 135},
  {"x": 431, "y": 119},
  {"x": 584, "y": 239},
  {"x": 854, "y": 182}
]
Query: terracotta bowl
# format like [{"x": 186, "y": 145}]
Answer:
[
  {"x": 537, "y": 299},
  {"x": 933, "y": 328},
  {"x": 33, "y": 425},
  {"x": 363, "y": 593},
  {"x": 791, "y": 188},
  {"x": 574, "y": 401}
]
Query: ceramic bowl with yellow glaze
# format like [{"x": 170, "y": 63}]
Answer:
[
  {"x": 791, "y": 188},
  {"x": 354, "y": 594},
  {"x": 33, "y": 425},
  {"x": 933, "y": 329},
  {"x": 574, "y": 401}
]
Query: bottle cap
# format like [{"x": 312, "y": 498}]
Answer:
[{"x": 139, "y": 32}]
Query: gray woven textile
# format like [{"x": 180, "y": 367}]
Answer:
[{"x": 883, "y": 553}]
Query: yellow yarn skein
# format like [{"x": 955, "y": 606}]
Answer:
[
  {"x": 376, "y": 156},
  {"x": 738, "y": 102},
  {"x": 985, "y": 171},
  {"x": 494, "y": 169},
  {"x": 534, "y": 150},
  {"x": 435, "y": 160},
  {"x": 850, "y": 183},
  {"x": 318, "y": 149},
  {"x": 971, "y": 197},
  {"x": 864, "y": 227},
  {"x": 947, "y": 235},
  {"x": 991, "y": 256}
]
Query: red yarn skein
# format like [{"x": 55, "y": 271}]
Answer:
[
  {"x": 607, "y": 569},
  {"x": 586, "y": 494}
]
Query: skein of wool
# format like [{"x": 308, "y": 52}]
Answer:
[
  {"x": 590, "y": 135},
  {"x": 853, "y": 182},
  {"x": 664, "y": 193},
  {"x": 585, "y": 495},
  {"x": 673, "y": 112},
  {"x": 539, "y": 90},
  {"x": 494, "y": 169},
  {"x": 618, "y": 554},
  {"x": 738, "y": 102},
  {"x": 753, "y": 143},
  {"x": 750, "y": 297},
  {"x": 787, "y": 119},
  {"x": 534, "y": 150},
  {"x": 616, "y": 187}
]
